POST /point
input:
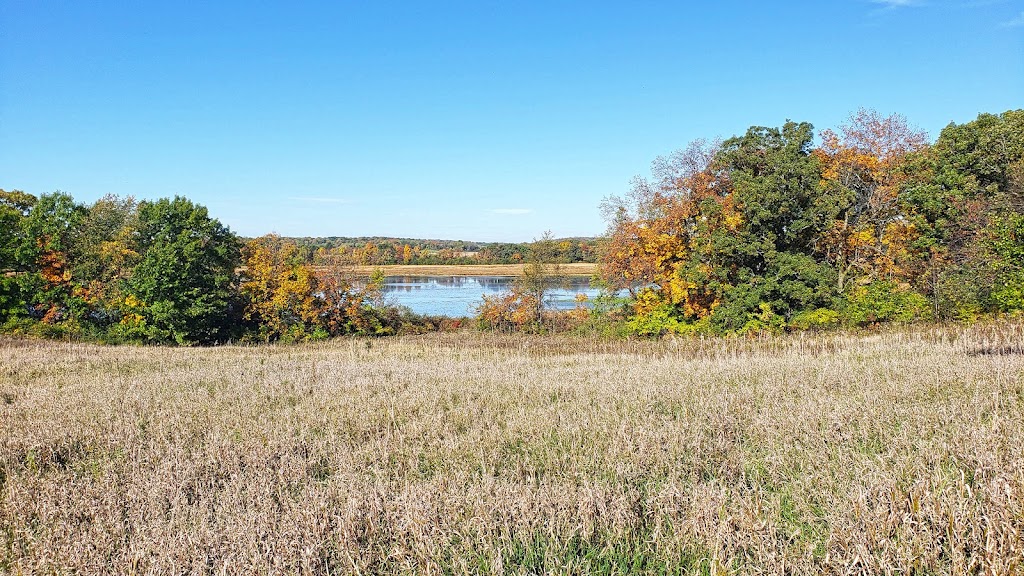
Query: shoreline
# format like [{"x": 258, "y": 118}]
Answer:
[{"x": 440, "y": 270}]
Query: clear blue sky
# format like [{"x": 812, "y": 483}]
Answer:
[{"x": 468, "y": 120}]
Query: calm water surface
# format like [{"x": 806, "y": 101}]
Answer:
[{"x": 458, "y": 295}]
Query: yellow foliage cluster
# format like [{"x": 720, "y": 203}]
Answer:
[
  {"x": 279, "y": 288},
  {"x": 670, "y": 228},
  {"x": 871, "y": 237}
]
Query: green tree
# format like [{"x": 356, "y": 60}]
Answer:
[
  {"x": 52, "y": 228},
  {"x": 767, "y": 262},
  {"x": 184, "y": 281},
  {"x": 14, "y": 246},
  {"x": 966, "y": 195}
]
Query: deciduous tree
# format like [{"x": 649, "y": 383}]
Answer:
[
  {"x": 279, "y": 290},
  {"x": 864, "y": 172},
  {"x": 185, "y": 279}
]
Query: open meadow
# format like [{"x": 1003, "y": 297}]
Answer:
[{"x": 896, "y": 452}]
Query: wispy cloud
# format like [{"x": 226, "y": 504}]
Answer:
[
  {"x": 1014, "y": 22},
  {"x": 320, "y": 199},
  {"x": 510, "y": 211},
  {"x": 979, "y": 3},
  {"x": 897, "y": 3}
]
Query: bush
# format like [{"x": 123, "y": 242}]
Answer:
[
  {"x": 662, "y": 320},
  {"x": 882, "y": 301},
  {"x": 817, "y": 319},
  {"x": 764, "y": 322},
  {"x": 513, "y": 310},
  {"x": 66, "y": 330}
]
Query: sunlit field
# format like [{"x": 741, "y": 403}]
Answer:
[{"x": 898, "y": 452}]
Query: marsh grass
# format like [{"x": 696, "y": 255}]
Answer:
[{"x": 892, "y": 452}]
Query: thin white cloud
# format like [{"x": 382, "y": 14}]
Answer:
[
  {"x": 510, "y": 211},
  {"x": 320, "y": 199},
  {"x": 979, "y": 3},
  {"x": 1015, "y": 22},
  {"x": 897, "y": 3}
]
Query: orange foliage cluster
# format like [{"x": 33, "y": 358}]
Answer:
[
  {"x": 665, "y": 227},
  {"x": 53, "y": 269},
  {"x": 866, "y": 163},
  {"x": 509, "y": 311},
  {"x": 516, "y": 310},
  {"x": 286, "y": 298}
]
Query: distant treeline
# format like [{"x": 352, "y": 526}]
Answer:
[
  {"x": 768, "y": 231},
  {"x": 380, "y": 251}
]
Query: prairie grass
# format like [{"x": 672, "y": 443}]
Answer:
[{"x": 895, "y": 453}]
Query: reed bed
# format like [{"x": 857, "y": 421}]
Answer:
[{"x": 895, "y": 452}]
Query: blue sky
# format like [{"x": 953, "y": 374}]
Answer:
[{"x": 468, "y": 120}]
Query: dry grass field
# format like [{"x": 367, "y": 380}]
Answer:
[
  {"x": 573, "y": 269},
  {"x": 891, "y": 453}
]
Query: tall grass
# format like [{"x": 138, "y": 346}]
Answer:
[{"x": 897, "y": 452}]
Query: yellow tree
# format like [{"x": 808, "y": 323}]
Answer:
[
  {"x": 864, "y": 167},
  {"x": 279, "y": 289}
]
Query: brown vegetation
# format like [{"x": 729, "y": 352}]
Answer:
[{"x": 895, "y": 452}]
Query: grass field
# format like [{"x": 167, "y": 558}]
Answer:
[
  {"x": 898, "y": 453},
  {"x": 574, "y": 269}
]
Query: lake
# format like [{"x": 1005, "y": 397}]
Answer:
[{"x": 459, "y": 295}]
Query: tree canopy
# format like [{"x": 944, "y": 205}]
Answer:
[
  {"x": 776, "y": 229},
  {"x": 767, "y": 231}
]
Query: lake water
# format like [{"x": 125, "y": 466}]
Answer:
[{"x": 459, "y": 295}]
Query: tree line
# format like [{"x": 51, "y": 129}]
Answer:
[
  {"x": 772, "y": 231},
  {"x": 389, "y": 251},
  {"x": 166, "y": 272}
]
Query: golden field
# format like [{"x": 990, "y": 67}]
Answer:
[{"x": 891, "y": 453}]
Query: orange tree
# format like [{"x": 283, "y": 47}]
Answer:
[
  {"x": 864, "y": 171},
  {"x": 658, "y": 236}
]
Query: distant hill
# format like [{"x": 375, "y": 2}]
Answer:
[{"x": 382, "y": 250}]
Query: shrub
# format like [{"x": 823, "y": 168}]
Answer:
[
  {"x": 513, "y": 310},
  {"x": 817, "y": 319},
  {"x": 882, "y": 301}
]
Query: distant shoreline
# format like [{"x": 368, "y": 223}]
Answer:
[{"x": 574, "y": 269}]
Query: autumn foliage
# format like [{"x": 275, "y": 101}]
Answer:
[
  {"x": 780, "y": 228},
  {"x": 768, "y": 232},
  {"x": 287, "y": 299},
  {"x": 166, "y": 272}
]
